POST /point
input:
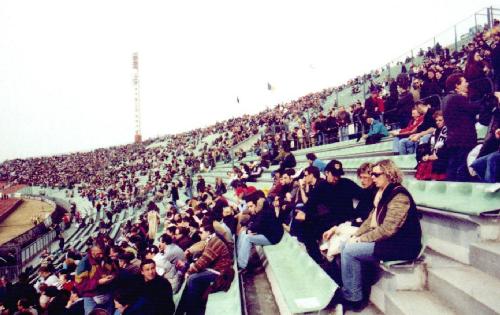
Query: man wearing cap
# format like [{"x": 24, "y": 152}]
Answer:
[{"x": 329, "y": 203}]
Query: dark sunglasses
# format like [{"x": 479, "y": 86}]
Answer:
[{"x": 376, "y": 174}]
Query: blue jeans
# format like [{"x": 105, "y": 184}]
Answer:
[
  {"x": 353, "y": 256},
  {"x": 320, "y": 138},
  {"x": 343, "y": 133},
  {"x": 189, "y": 192},
  {"x": 192, "y": 302},
  {"x": 90, "y": 304},
  {"x": 487, "y": 167},
  {"x": 406, "y": 146},
  {"x": 244, "y": 246}
]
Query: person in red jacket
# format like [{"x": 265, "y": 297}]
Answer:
[{"x": 401, "y": 143}]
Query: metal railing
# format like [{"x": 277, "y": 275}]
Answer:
[
  {"x": 30, "y": 251},
  {"x": 453, "y": 38}
]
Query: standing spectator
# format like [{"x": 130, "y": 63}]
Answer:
[
  {"x": 405, "y": 101},
  {"x": 475, "y": 74},
  {"x": 153, "y": 223},
  {"x": 374, "y": 105},
  {"x": 460, "y": 117},
  {"x": 430, "y": 86},
  {"x": 343, "y": 120},
  {"x": 189, "y": 187},
  {"x": 200, "y": 186},
  {"x": 331, "y": 128},
  {"x": 174, "y": 189}
]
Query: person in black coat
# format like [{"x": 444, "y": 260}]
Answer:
[
  {"x": 129, "y": 302},
  {"x": 156, "y": 290},
  {"x": 460, "y": 117},
  {"x": 328, "y": 204},
  {"x": 20, "y": 289},
  {"x": 262, "y": 229},
  {"x": 430, "y": 86},
  {"x": 405, "y": 101}
]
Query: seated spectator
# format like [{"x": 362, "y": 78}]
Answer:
[
  {"x": 487, "y": 166},
  {"x": 428, "y": 125},
  {"x": 170, "y": 250},
  {"x": 435, "y": 159},
  {"x": 391, "y": 232},
  {"x": 25, "y": 307},
  {"x": 255, "y": 172},
  {"x": 365, "y": 204},
  {"x": 376, "y": 132},
  {"x": 329, "y": 203},
  {"x": 47, "y": 277},
  {"x": 220, "y": 187},
  {"x": 314, "y": 161},
  {"x": 263, "y": 227},
  {"x": 156, "y": 289},
  {"x": 401, "y": 143},
  {"x": 129, "y": 302},
  {"x": 212, "y": 272},
  {"x": 75, "y": 303},
  {"x": 92, "y": 275},
  {"x": 182, "y": 238}
]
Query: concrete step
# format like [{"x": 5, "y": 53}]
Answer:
[
  {"x": 414, "y": 303},
  {"x": 485, "y": 256},
  {"x": 467, "y": 289}
]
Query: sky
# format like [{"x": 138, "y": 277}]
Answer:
[{"x": 66, "y": 66}]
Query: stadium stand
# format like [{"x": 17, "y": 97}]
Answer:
[{"x": 157, "y": 200}]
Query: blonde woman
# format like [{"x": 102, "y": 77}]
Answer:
[{"x": 391, "y": 232}]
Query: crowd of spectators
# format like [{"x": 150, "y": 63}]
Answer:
[{"x": 192, "y": 244}]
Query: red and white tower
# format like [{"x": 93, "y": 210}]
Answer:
[{"x": 137, "y": 100}]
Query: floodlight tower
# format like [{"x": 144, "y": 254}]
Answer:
[{"x": 135, "y": 69}]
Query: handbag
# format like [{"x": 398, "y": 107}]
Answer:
[{"x": 424, "y": 170}]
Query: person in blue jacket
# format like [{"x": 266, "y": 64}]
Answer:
[{"x": 376, "y": 132}]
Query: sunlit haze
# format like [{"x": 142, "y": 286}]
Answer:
[{"x": 66, "y": 66}]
